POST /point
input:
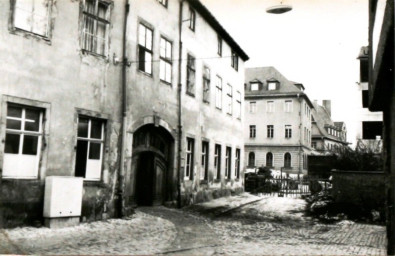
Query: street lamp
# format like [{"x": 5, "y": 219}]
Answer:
[{"x": 279, "y": 9}]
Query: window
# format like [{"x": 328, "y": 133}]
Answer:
[
  {"x": 217, "y": 161},
  {"x": 270, "y": 131},
  {"x": 235, "y": 60},
  {"x": 89, "y": 153},
  {"x": 218, "y": 93},
  {"x": 238, "y": 105},
  {"x": 271, "y": 86},
  {"x": 314, "y": 144},
  {"x": 252, "y": 131},
  {"x": 287, "y": 160},
  {"x": 365, "y": 98},
  {"x": 162, "y": 2},
  {"x": 237, "y": 164},
  {"x": 288, "y": 131},
  {"x": 192, "y": 19},
  {"x": 270, "y": 106},
  {"x": 165, "y": 60},
  {"x": 33, "y": 16},
  {"x": 22, "y": 142},
  {"x": 204, "y": 169},
  {"x": 254, "y": 86},
  {"x": 288, "y": 106},
  {"x": 228, "y": 160},
  {"x": 304, "y": 161},
  {"x": 251, "y": 159},
  {"x": 252, "y": 107},
  {"x": 219, "y": 45},
  {"x": 190, "y": 75},
  {"x": 229, "y": 98},
  {"x": 364, "y": 70},
  {"x": 206, "y": 84},
  {"x": 96, "y": 24},
  {"x": 145, "y": 49},
  {"x": 269, "y": 159},
  {"x": 371, "y": 129},
  {"x": 189, "y": 158}
]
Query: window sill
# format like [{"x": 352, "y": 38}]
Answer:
[
  {"x": 145, "y": 73},
  {"x": 27, "y": 34},
  {"x": 219, "y": 109},
  {"x": 206, "y": 102},
  {"x": 86, "y": 52},
  {"x": 166, "y": 83},
  {"x": 190, "y": 94}
]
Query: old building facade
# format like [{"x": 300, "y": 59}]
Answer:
[
  {"x": 277, "y": 121},
  {"x": 369, "y": 123},
  {"x": 326, "y": 136},
  {"x": 108, "y": 91},
  {"x": 382, "y": 96}
]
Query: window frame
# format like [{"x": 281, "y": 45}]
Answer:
[
  {"x": 217, "y": 160},
  {"x": 270, "y": 131},
  {"x": 270, "y": 106},
  {"x": 165, "y": 59},
  {"x": 251, "y": 159},
  {"x": 218, "y": 92},
  {"x": 234, "y": 60},
  {"x": 238, "y": 105},
  {"x": 191, "y": 70},
  {"x": 189, "y": 158},
  {"x": 204, "y": 160},
  {"x": 206, "y": 84},
  {"x": 229, "y": 96},
  {"x": 219, "y": 45},
  {"x": 252, "y": 131},
  {"x": 269, "y": 86},
  {"x": 288, "y": 131},
  {"x": 252, "y": 86},
  {"x": 142, "y": 64},
  {"x": 192, "y": 19},
  {"x": 287, "y": 161},
  {"x": 252, "y": 107},
  {"x": 228, "y": 163},
  {"x": 22, "y": 133},
  {"x": 90, "y": 140},
  {"x": 269, "y": 156},
  {"x": 96, "y": 19},
  {"x": 288, "y": 108},
  {"x": 15, "y": 29}
]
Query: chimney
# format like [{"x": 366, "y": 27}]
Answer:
[{"x": 327, "y": 106}]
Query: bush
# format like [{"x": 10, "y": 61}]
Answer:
[{"x": 364, "y": 160}]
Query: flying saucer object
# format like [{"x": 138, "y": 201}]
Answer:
[{"x": 279, "y": 9}]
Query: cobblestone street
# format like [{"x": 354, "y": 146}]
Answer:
[{"x": 265, "y": 226}]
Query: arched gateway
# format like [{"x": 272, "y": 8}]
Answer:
[{"x": 152, "y": 157}]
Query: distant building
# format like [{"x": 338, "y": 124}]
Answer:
[
  {"x": 326, "y": 135},
  {"x": 382, "y": 96},
  {"x": 370, "y": 124},
  {"x": 277, "y": 121}
]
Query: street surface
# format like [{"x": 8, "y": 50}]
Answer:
[{"x": 226, "y": 226}]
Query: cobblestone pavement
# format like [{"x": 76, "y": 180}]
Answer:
[{"x": 270, "y": 226}]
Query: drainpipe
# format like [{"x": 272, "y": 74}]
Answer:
[
  {"x": 301, "y": 133},
  {"x": 121, "y": 173},
  {"x": 179, "y": 150}
]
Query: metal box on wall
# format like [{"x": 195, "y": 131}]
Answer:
[{"x": 63, "y": 196}]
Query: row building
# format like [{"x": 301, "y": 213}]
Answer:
[
  {"x": 277, "y": 121},
  {"x": 142, "y": 101}
]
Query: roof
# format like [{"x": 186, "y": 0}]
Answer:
[
  {"x": 206, "y": 14},
  {"x": 265, "y": 74},
  {"x": 322, "y": 120},
  {"x": 364, "y": 52}
]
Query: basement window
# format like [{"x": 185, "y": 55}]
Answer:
[
  {"x": 95, "y": 27},
  {"x": 90, "y": 142},
  {"x": 22, "y": 142},
  {"x": 32, "y": 16}
]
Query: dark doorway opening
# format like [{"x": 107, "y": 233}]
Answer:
[{"x": 145, "y": 181}]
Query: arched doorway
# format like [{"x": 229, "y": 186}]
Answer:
[{"x": 152, "y": 154}]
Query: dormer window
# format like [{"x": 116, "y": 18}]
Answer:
[
  {"x": 271, "y": 86},
  {"x": 254, "y": 86}
]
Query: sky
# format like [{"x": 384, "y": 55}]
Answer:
[{"x": 317, "y": 44}]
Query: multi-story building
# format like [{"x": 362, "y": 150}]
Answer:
[
  {"x": 277, "y": 121},
  {"x": 326, "y": 135},
  {"x": 382, "y": 96},
  {"x": 369, "y": 124},
  {"x": 142, "y": 100}
]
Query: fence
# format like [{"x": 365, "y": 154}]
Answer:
[{"x": 286, "y": 186}]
